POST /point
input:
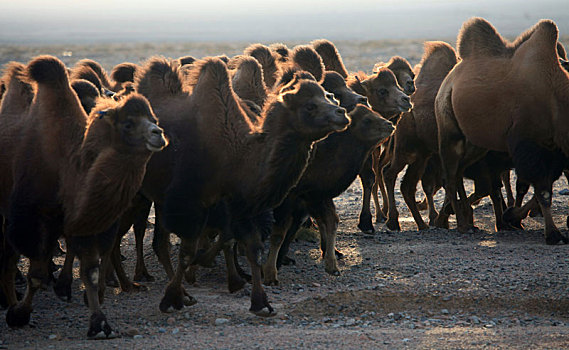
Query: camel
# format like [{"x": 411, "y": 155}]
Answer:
[
  {"x": 385, "y": 97},
  {"x": 330, "y": 56},
  {"x": 526, "y": 74},
  {"x": 403, "y": 72},
  {"x": 263, "y": 163},
  {"x": 91, "y": 167},
  {"x": 306, "y": 58},
  {"x": 87, "y": 93},
  {"x": 268, "y": 61},
  {"x": 335, "y": 164},
  {"x": 247, "y": 79}
]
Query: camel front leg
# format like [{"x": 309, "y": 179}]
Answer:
[{"x": 327, "y": 220}]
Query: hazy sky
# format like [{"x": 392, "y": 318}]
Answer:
[{"x": 251, "y": 20}]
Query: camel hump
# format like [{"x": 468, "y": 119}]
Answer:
[
  {"x": 309, "y": 60},
  {"x": 124, "y": 72},
  {"x": 97, "y": 68},
  {"x": 438, "y": 55},
  {"x": 12, "y": 71},
  {"x": 291, "y": 74},
  {"x": 331, "y": 57},
  {"x": 249, "y": 67},
  {"x": 158, "y": 77},
  {"x": 561, "y": 51},
  {"x": 48, "y": 70},
  {"x": 478, "y": 37},
  {"x": 282, "y": 50},
  {"x": 262, "y": 54}
]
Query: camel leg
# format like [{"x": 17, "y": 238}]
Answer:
[
  {"x": 379, "y": 214},
  {"x": 175, "y": 297},
  {"x": 325, "y": 214},
  {"x": 141, "y": 273},
  {"x": 161, "y": 242},
  {"x": 260, "y": 305},
  {"x": 522, "y": 188},
  {"x": 505, "y": 177},
  {"x": 552, "y": 233},
  {"x": 115, "y": 261},
  {"x": 390, "y": 172},
  {"x": 18, "y": 315},
  {"x": 431, "y": 183},
  {"x": 8, "y": 269},
  {"x": 409, "y": 188},
  {"x": 367, "y": 178},
  {"x": 276, "y": 240},
  {"x": 297, "y": 218},
  {"x": 234, "y": 280},
  {"x": 514, "y": 215},
  {"x": 62, "y": 287}
]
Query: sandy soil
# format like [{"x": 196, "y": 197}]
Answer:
[{"x": 431, "y": 289}]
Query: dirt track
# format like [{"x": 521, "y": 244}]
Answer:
[{"x": 409, "y": 289}]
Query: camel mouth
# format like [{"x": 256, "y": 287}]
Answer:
[
  {"x": 405, "y": 108},
  {"x": 156, "y": 146}
]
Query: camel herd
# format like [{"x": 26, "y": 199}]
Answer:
[{"x": 234, "y": 151}]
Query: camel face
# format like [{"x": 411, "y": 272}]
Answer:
[
  {"x": 385, "y": 95},
  {"x": 334, "y": 83},
  {"x": 406, "y": 81},
  {"x": 369, "y": 126},
  {"x": 315, "y": 110},
  {"x": 137, "y": 127}
]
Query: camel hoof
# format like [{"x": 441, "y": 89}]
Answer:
[
  {"x": 422, "y": 226},
  {"x": 380, "y": 219},
  {"x": 393, "y": 225},
  {"x": 271, "y": 282},
  {"x": 99, "y": 328},
  {"x": 62, "y": 290},
  {"x": 555, "y": 237},
  {"x": 112, "y": 282},
  {"x": 339, "y": 255},
  {"x": 264, "y": 311},
  {"x": 333, "y": 271},
  {"x": 18, "y": 316},
  {"x": 366, "y": 227},
  {"x": 143, "y": 277}
]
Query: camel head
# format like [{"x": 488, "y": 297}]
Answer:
[
  {"x": 404, "y": 74},
  {"x": 316, "y": 113},
  {"x": 335, "y": 84},
  {"x": 369, "y": 127},
  {"x": 384, "y": 94},
  {"x": 135, "y": 125}
]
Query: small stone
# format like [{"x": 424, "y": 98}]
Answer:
[
  {"x": 221, "y": 321},
  {"x": 176, "y": 331},
  {"x": 444, "y": 312},
  {"x": 131, "y": 331},
  {"x": 171, "y": 321},
  {"x": 54, "y": 337},
  {"x": 405, "y": 340},
  {"x": 187, "y": 316},
  {"x": 138, "y": 336},
  {"x": 489, "y": 325},
  {"x": 314, "y": 284},
  {"x": 475, "y": 320},
  {"x": 161, "y": 330},
  {"x": 350, "y": 322}
]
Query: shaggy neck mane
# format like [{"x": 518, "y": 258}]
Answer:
[{"x": 280, "y": 154}]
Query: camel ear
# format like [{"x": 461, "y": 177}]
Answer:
[
  {"x": 286, "y": 97},
  {"x": 365, "y": 84}
]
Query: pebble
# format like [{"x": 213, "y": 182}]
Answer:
[
  {"x": 350, "y": 322},
  {"x": 171, "y": 321},
  {"x": 475, "y": 320},
  {"x": 176, "y": 331},
  {"x": 54, "y": 337},
  {"x": 489, "y": 325},
  {"x": 161, "y": 330},
  {"x": 138, "y": 336},
  {"x": 221, "y": 321},
  {"x": 131, "y": 331},
  {"x": 444, "y": 312}
]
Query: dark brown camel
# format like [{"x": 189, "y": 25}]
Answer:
[
  {"x": 335, "y": 164},
  {"x": 90, "y": 170},
  {"x": 526, "y": 74},
  {"x": 385, "y": 97},
  {"x": 263, "y": 164},
  {"x": 268, "y": 61},
  {"x": 282, "y": 51}
]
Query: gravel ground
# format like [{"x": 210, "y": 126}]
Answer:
[{"x": 432, "y": 289}]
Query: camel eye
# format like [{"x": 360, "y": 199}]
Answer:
[
  {"x": 382, "y": 92},
  {"x": 128, "y": 125},
  {"x": 332, "y": 99},
  {"x": 310, "y": 107}
]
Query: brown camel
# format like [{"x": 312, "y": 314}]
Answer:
[
  {"x": 263, "y": 163},
  {"x": 247, "y": 79},
  {"x": 282, "y": 51},
  {"x": 525, "y": 94},
  {"x": 87, "y": 93},
  {"x": 268, "y": 61},
  {"x": 403, "y": 72},
  {"x": 385, "y": 97},
  {"x": 90, "y": 169},
  {"x": 335, "y": 164},
  {"x": 304, "y": 57},
  {"x": 330, "y": 56},
  {"x": 415, "y": 139}
]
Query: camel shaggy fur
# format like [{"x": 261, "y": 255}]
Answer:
[
  {"x": 90, "y": 170},
  {"x": 330, "y": 56}
]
